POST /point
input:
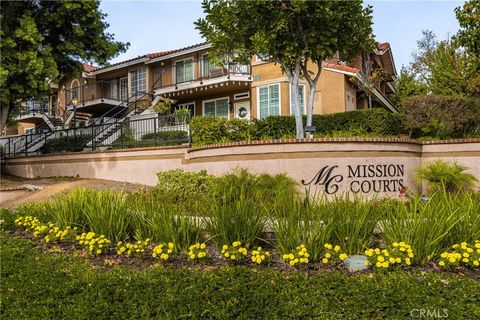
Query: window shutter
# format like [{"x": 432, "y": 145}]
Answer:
[
  {"x": 188, "y": 65},
  {"x": 274, "y": 106},
  {"x": 263, "y": 101},
  {"x": 179, "y": 72}
]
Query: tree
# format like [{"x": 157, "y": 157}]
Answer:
[
  {"x": 298, "y": 35},
  {"x": 468, "y": 38},
  {"x": 46, "y": 41}
]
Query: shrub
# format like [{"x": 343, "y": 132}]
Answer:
[
  {"x": 444, "y": 176},
  {"x": 425, "y": 227},
  {"x": 69, "y": 143},
  {"x": 394, "y": 255},
  {"x": 240, "y": 220},
  {"x": 166, "y": 136},
  {"x": 208, "y": 130},
  {"x": 442, "y": 116},
  {"x": 162, "y": 221},
  {"x": 369, "y": 122},
  {"x": 461, "y": 254},
  {"x": 182, "y": 185}
]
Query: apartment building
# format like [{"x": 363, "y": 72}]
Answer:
[{"x": 189, "y": 80}]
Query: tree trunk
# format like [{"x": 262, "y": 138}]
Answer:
[
  {"x": 312, "y": 83},
  {"x": 4, "y": 117},
  {"x": 369, "y": 101},
  {"x": 293, "y": 77}
]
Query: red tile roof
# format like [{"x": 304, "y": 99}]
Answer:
[
  {"x": 164, "y": 53},
  {"x": 340, "y": 67},
  {"x": 89, "y": 68},
  {"x": 154, "y": 55},
  {"x": 383, "y": 46}
]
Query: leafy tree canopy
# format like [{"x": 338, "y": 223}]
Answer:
[
  {"x": 44, "y": 41},
  {"x": 291, "y": 33}
]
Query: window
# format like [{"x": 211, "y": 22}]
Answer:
[
  {"x": 205, "y": 66},
  {"x": 75, "y": 90},
  {"x": 301, "y": 94},
  {"x": 262, "y": 57},
  {"x": 183, "y": 71},
  {"x": 269, "y": 100},
  {"x": 139, "y": 81},
  {"x": 216, "y": 108},
  {"x": 123, "y": 89}
]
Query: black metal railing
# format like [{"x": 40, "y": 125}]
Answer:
[
  {"x": 97, "y": 89},
  {"x": 166, "y": 78},
  {"x": 155, "y": 131}
]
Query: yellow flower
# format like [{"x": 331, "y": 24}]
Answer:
[
  {"x": 452, "y": 260},
  {"x": 391, "y": 260},
  {"x": 476, "y": 263},
  {"x": 385, "y": 264},
  {"x": 336, "y": 249},
  {"x": 203, "y": 246},
  {"x": 378, "y": 264},
  {"x": 343, "y": 256},
  {"x": 325, "y": 260},
  {"x": 99, "y": 251},
  {"x": 327, "y": 255},
  {"x": 380, "y": 258},
  {"x": 407, "y": 261},
  {"x": 444, "y": 255},
  {"x": 233, "y": 257},
  {"x": 442, "y": 264},
  {"x": 328, "y": 246},
  {"x": 192, "y": 256},
  {"x": 170, "y": 245},
  {"x": 292, "y": 263}
]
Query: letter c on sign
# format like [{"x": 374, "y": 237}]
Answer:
[{"x": 414, "y": 313}]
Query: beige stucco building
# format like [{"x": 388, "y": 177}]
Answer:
[{"x": 189, "y": 80}]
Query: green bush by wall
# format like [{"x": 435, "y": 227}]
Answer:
[{"x": 377, "y": 122}]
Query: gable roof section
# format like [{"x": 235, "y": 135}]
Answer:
[{"x": 146, "y": 58}]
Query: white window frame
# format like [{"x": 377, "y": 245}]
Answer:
[
  {"x": 279, "y": 98},
  {"x": 174, "y": 69},
  {"x": 304, "y": 99},
  {"x": 182, "y": 105},
  {"x": 134, "y": 90},
  {"x": 221, "y": 98},
  {"x": 243, "y": 95}
]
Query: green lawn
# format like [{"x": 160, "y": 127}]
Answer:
[{"x": 48, "y": 285}]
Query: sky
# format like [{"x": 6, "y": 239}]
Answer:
[{"x": 152, "y": 26}]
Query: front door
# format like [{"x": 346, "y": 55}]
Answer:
[{"x": 242, "y": 110}]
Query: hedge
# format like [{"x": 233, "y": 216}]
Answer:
[
  {"x": 69, "y": 143},
  {"x": 442, "y": 117},
  {"x": 52, "y": 285},
  {"x": 378, "y": 122},
  {"x": 174, "y": 135}
]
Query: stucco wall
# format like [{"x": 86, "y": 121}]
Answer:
[{"x": 332, "y": 165}]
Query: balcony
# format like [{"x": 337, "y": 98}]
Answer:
[
  {"x": 97, "y": 96},
  {"x": 34, "y": 112},
  {"x": 228, "y": 78}
]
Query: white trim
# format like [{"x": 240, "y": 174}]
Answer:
[
  {"x": 186, "y": 104},
  {"x": 210, "y": 100},
  {"x": 130, "y": 78},
  {"x": 75, "y": 80},
  {"x": 180, "y": 53},
  {"x": 120, "y": 66},
  {"x": 279, "y": 98},
  {"x": 174, "y": 70},
  {"x": 243, "y": 95},
  {"x": 304, "y": 98}
]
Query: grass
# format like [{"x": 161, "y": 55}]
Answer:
[{"x": 47, "y": 285}]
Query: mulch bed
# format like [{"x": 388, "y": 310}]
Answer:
[{"x": 214, "y": 261}]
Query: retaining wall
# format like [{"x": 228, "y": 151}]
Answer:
[{"x": 332, "y": 165}]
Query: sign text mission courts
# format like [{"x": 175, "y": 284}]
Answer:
[{"x": 361, "y": 178}]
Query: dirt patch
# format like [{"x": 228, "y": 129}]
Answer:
[{"x": 12, "y": 197}]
